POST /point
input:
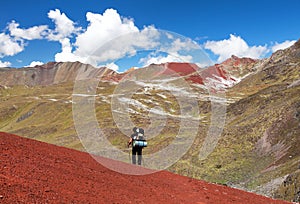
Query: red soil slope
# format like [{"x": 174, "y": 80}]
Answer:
[{"x": 36, "y": 172}]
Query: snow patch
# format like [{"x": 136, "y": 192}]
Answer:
[
  {"x": 295, "y": 83},
  {"x": 133, "y": 102},
  {"x": 219, "y": 83},
  {"x": 69, "y": 101},
  {"x": 162, "y": 96},
  {"x": 84, "y": 95}
]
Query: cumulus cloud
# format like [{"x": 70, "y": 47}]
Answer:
[
  {"x": 5, "y": 64},
  {"x": 64, "y": 27},
  {"x": 35, "y": 32},
  {"x": 112, "y": 66},
  {"x": 180, "y": 45},
  {"x": 14, "y": 42},
  {"x": 102, "y": 29},
  {"x": 9, "y": 46},
  {"x": 174, "y": 49},
  {"x": 35, "y": 63},
  {"x": 235, "y": 45},
  {"x": 108, "y": 37},
  {"x": 66, "y": 54},
  {"x": 152, "y": 59},
  {"x": 125, "y": 45},
  {"x": 282, "y": 46}
]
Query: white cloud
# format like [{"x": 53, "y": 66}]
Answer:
[
  {"x": 125, "y": 45},
  {"x": 174, "y": 48},
  {"x": 112, "y": 66},
  {"x": 235, "y": 45},
  {"x": 66, "y": 54},
  {"x": 5, "y": 64},
  {"x": 179, "y": 45},
  {"x": 10, "y": 46},
  {"x": 108, "y": 37},
  {"x": 102, "y": 29},
  {"x": 98, "y": 44},
  {"x": 35, "y": 32},
  {"x": 64, "y": 27},
  {"x": 170, "y": 36},
  {"x": 151, "y": 59},
  {"x": 35, "y": 63},
  {"x": 282, "y": 46}
]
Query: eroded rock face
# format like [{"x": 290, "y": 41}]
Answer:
[
  {"x": 51, "y": 73},
  {"x": 239, "y": 67}
]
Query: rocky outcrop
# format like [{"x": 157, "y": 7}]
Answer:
[{"x": 238, "y": 67}]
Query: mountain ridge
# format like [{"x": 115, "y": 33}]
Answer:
[
  {"x": 61, "y": 72},
  {"x": 51, "y": 73}
]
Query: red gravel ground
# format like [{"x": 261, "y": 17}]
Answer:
[{"x": 36, "y": 172}]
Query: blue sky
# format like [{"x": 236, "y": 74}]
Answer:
[{"x": 34, "y": 32}]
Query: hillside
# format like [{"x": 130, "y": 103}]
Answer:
[
  {"x": 259, "y": 102},
  {"x": 50, "y": 73},
  {"x": 36, "y": 172},
  {"x": 262, "y": 129}
]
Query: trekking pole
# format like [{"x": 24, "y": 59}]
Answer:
[
  {"x": 143, "y": 161},
  {"x": 129, "y": 156}
]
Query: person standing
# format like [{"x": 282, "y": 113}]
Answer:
[{"x": 138, "y": 142}]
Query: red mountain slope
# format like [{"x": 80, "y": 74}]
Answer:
[{"x": 36, "y": 172}]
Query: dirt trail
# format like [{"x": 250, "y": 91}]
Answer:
[{"x": 36, "y": 172}]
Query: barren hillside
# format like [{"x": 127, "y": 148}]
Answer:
[{"x": 37, "y": 172}]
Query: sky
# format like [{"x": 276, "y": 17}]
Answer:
[{"x": 124, "y": 33}]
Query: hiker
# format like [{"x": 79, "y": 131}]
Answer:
[{"x": 138, "y": 142}]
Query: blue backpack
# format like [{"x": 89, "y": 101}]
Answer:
[{"x": 139, "y": 139}]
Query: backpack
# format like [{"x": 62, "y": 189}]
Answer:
[{"x": 139, "y": 139}]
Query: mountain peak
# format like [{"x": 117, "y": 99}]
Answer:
[{"x": 285, "y": 56}]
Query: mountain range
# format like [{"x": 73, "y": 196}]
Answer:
[{"x": 259, "y": 114}]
